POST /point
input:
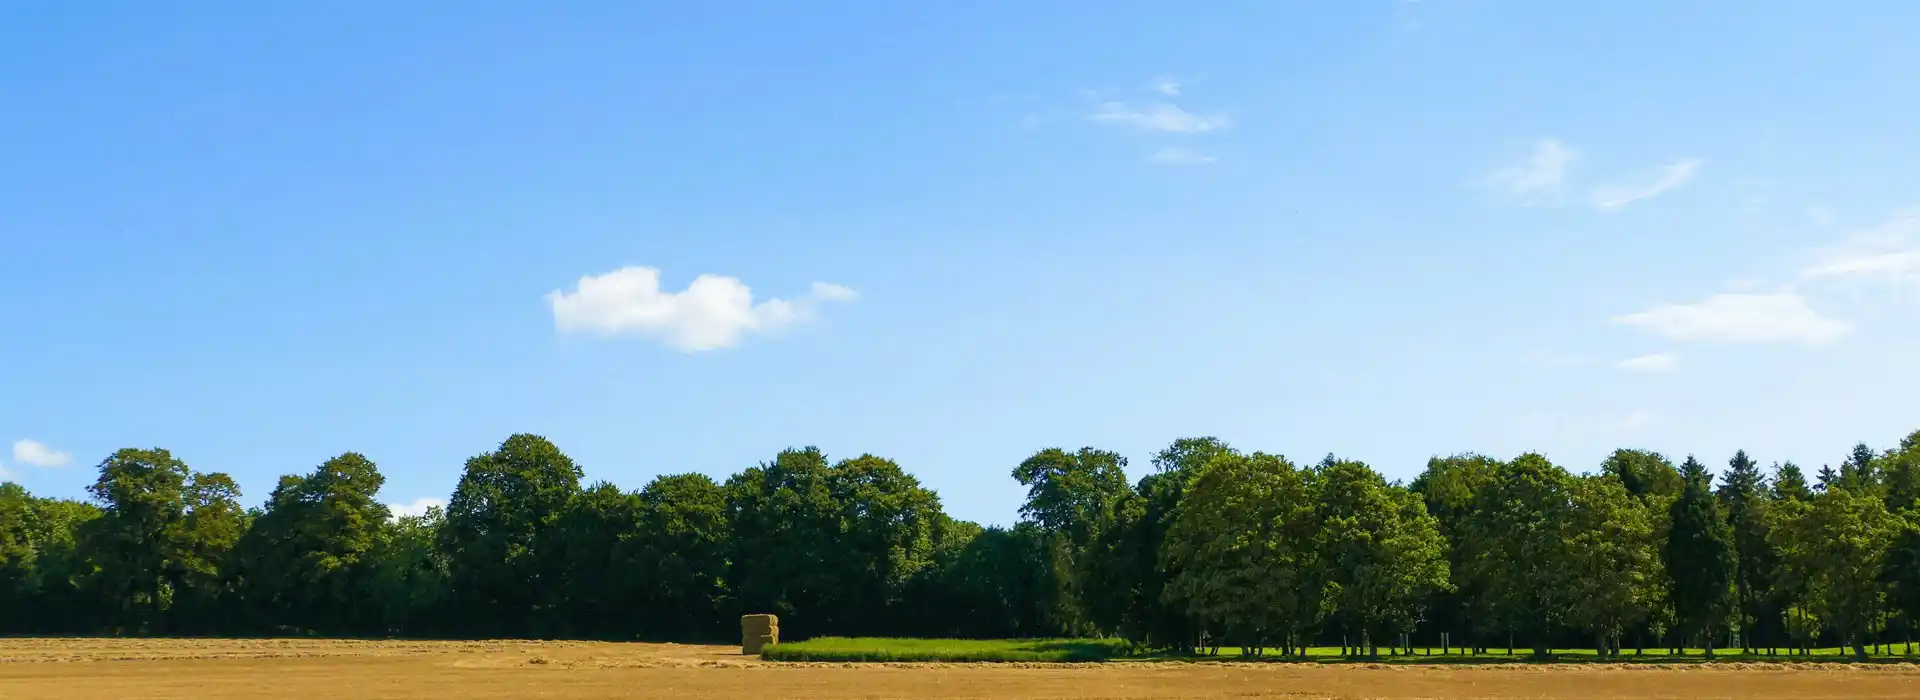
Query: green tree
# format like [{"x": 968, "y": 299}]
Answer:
[
  {"x": 1075, "y": 497},
  {"x": 1838, "y": 552},
  {"x": 1743, "y": 498},
  {"x": 1860, "y": 471},
  {"x": 305, "y": 561},
  {"x": 999, "y": 583},
  {"x": 1517, "y": 559},
  {"x": 1700, "y": 557},
  {"x": 687, "y": 541},
  {"x": 1789, "y": 484},
  {"x": 1645, "y": 474},
  {"x": 785, "y": 523},
  {"x": 887, "y": 524},
  {"x": 1383, "y": 553},
  {"x": 1614, "y": 558},
  {"x": 506, "y": 500},
  {"x": 1151, "y": 620},
  {"x": 409, "y": 575},
  {"x": 1450, "y": 488},
  {"x": 598, "y": 542},
  {"x": 162, "y": 535},
  {"x": 1246, "y": 552}
]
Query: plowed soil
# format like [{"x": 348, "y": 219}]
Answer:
[{"x": 319, "y": 669}]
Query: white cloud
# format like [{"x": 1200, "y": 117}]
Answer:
[
  {"x": 1778, "y": 317},
  {"x": 1614, "y": 196},
  {"x": 1180, "y": 156},
  {"x": 1161, "y": 116},
  {"x": 713, "y": 312},
  {"x": 1167, "y": 86},
  {"x": 1886, "y": 253},
  {"x": 1539, "y": 178},
  {"x": 418, "y": 507},
  {"x": 1657, "y": 362},
  {"x": 39, "y": 455}
]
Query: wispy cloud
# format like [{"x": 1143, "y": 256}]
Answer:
[
  {"x": 713, "y": 312},
  {"x": 1656, "y": 362},
  {"x": 1180, "y": 156},
  {"x": 1159, "y": 117},
  {"x": 1887, "y": 253},
  {"x": 1537, "y": 179},
  {"x": 1778, "y": 317},
  {"x": 34, "y": 453},
  {"x": 1617, "y": 195},
  {"x": 1167, "y": 86}
]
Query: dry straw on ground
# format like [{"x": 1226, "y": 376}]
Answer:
[{"x": 98, "y": 669}]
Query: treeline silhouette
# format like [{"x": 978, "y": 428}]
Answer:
[{"x": 1213, "y": 547}]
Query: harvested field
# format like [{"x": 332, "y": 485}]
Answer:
[{"x": 319, "y": 669}]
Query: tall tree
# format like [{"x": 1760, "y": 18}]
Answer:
[
  {"x": 887, "y": 526},
  {"x": 598, "y": 542},
  {"x": 1246, "y": 552},
  {"x": 1789, "y": 483},
  {"x": 1645, "y": 474},
  {"x": 409, "y": 575},
  {"x": 785, "y": 523},
  {"x": 1075, "y": 497},
  {"x": 1743, "y": 496},
  {"x": 1839, "y": 553},
  {"x": 506, "y": 500},
  {"x": 1518, "y": 558},
  {"x": 1700, "y": 557},
  {"x": 1383, "y": 552},
  {"x": 306, "y": 560},
  {"x": 1614, "y": 556},
  {"x": 1151, "y": 620},
  {"x": 1449, "y": 486},
  {"x": 1900, "y": 471},
  {"x": 687, "y": 542},
  {"x": 161, "y": 537},
  {"x": 1860, "y": 470}
]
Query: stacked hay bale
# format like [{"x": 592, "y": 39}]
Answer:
[{"x": 758, "y": 632}]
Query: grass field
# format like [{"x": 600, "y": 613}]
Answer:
[
  {"x": 98, "y": 669},
  {"x": 950, "y": 650}
]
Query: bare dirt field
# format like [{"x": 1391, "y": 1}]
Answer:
[{"x": 319, "y": 669}]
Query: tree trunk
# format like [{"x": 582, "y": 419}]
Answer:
[
  {"x": 1709, "y": 643},
  {"x": 1600, "y": 645},
  {"x": 1859, "y": 651}
]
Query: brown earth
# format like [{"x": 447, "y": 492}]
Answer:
[{"x": 319, "y": 669}]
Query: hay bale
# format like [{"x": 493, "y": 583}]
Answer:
[
  {"x": 757, "y": 632},
  {"x": 755, "y": 645}
]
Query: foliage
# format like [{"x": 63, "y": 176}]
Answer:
[
  {"x": 1613, "y": 554},
  {"x": 1246, "y": 551},
  {"x": 1700, "y": 557},
  {"x": 1215, "y": 549},
  {"x": 1837, "y": 549},
  {"x": 506, "y": 502}
]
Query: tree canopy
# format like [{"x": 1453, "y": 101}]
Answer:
[{"x": 1212, "y": 547}]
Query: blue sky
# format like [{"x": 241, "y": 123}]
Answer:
[{"x": 263, "y": 235}]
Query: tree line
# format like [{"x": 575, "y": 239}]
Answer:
[{"x": 1212, "y": 548}]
